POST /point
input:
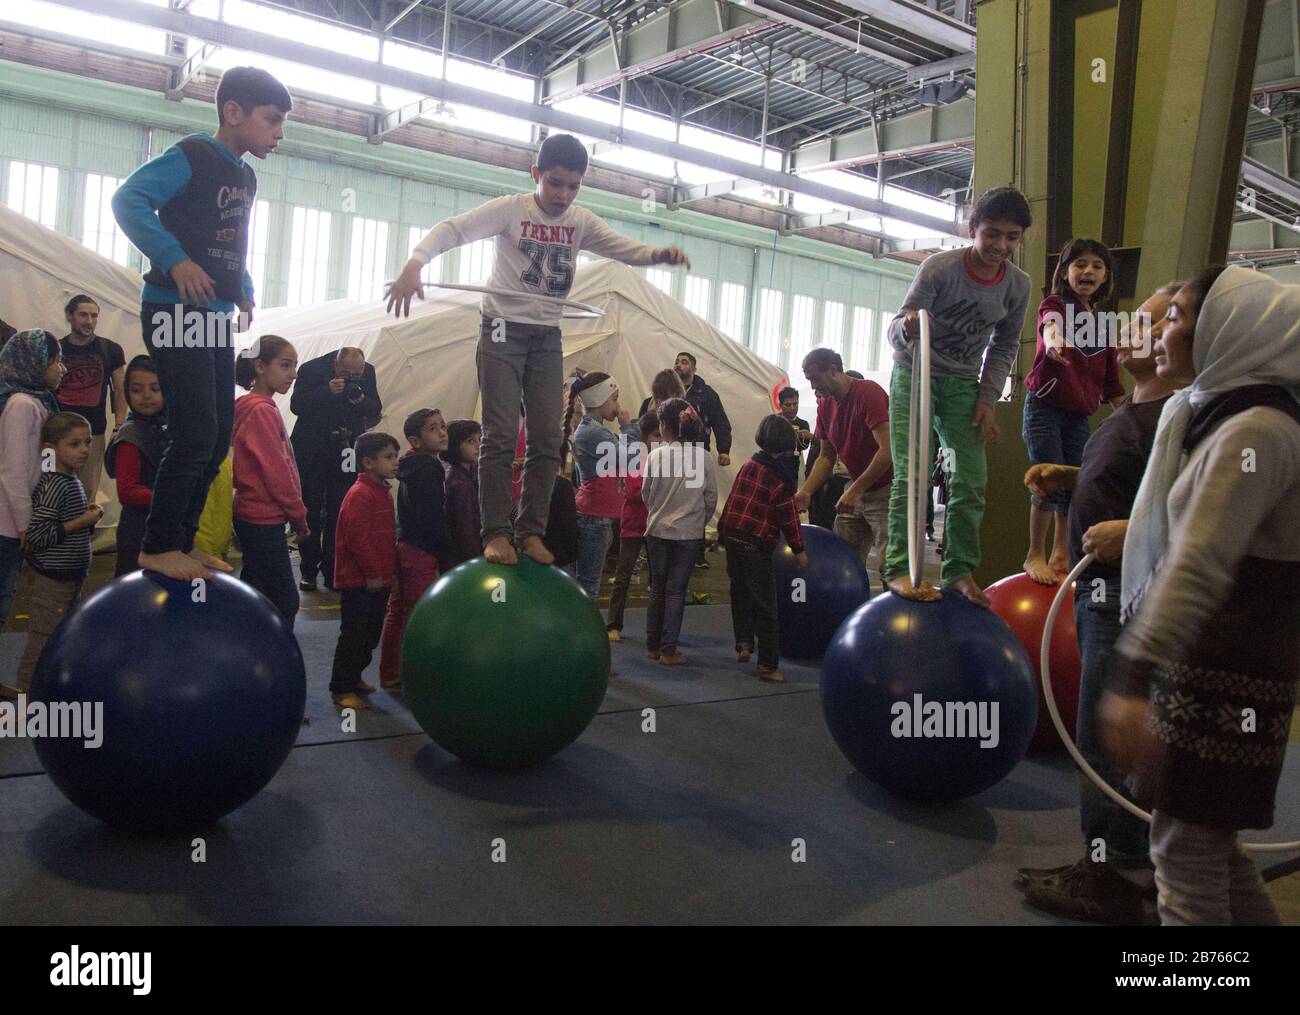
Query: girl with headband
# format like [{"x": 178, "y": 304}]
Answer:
[{"x": 601, "y": 459}]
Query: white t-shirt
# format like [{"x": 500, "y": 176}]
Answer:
[{"x": 535, "y": 252}]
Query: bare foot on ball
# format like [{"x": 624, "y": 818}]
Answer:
[
  {"x": 966, "y": 586},
  {"x": 499, "y": 551},
  {"x": 535, "y": 548},
  {"x": 174, "y": 564},
  {"x": 1039, "y": 570},
  {"x": 923, "y": 593},
  {"x": 210, "y": 562},
  {"x": 1060, "y": 565}
]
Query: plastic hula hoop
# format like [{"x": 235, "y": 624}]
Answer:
[
  {"x": 584, "y": 310},
  {"x": 918, "y": 453},
  {"x": 1045, "y": 667}
]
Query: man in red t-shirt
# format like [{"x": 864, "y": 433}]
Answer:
[
  {"x": 96, "y": 372},
  {"x": 852, "y": 425}
]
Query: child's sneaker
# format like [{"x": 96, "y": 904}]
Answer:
[
  {"x": 769, "y": 673},
  {"x": 613, "y": 634},
  {"x": 350, "y": 700},
  {"x": 652, "y": 653},
  {"x": 676, "y": 659},
  {"x": 743, "y": 653}
]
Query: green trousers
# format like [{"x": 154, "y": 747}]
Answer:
[{"x": 952, "y": 403}]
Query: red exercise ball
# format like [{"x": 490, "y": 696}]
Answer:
[{"x": 1023, "y": 603}]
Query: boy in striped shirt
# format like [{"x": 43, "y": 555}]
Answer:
[{"x": 58, "y": 536}]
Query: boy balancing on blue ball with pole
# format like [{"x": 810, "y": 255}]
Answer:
[
  {"x": 188, "y": 211},
  {"x": 538, "y": 237},
  {"x": 976, "y": 299}
]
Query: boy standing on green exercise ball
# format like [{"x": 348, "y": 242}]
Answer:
[{"x": 537, "y": 237}]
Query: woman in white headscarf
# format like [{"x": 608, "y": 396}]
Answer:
[{"x": 1205, "y": 676}]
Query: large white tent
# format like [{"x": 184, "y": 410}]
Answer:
[
  {"x": 425, "y": 360},
  {"x": 428, "y": 358}
]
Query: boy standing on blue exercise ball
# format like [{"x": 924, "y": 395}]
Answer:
[
  {"x": 188, "y": 212},
  {"x": 537, "y": 239},
  {"x": 976, "y": 299}
]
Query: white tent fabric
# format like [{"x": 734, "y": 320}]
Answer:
[
  {"x": 428, "y": 359},
  {"x": 40, "y": 270}
]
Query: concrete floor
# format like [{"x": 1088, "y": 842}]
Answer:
[{"x": 697, "y": 822}]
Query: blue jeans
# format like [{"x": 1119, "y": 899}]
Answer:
[
  {"x": 199, "y": 385},
  {"x": 11, "y": 562},
  {"x": 671, "y": 563},
  {"x": 593, "y": 543},
  {"x": 1053, "y": 437},
  {"x": 1098, "y": 627},
  {"x": 266, "y": 566}
]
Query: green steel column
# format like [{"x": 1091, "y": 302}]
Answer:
[{"x": 1118, "y": 119}]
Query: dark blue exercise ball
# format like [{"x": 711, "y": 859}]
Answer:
[
  {"x": 913, "y": 691},
  {"x": 202, "y": 688},
  {"x": 812, "y": 602}
]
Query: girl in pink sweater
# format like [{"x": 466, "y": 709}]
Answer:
[
  {"x": 1076, "y": 366},
  {"x": 268, "y": 493},
  {"x": 31, "y": 368}
]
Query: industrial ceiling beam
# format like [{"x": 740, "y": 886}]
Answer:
[
  {"x": 788, "y": 85},
  {"x": 267, "y": 44},
  {"x": 799, "y": 223},
  {"x": 730, "y": 96},
  {"x": 961, "y": 64},
  {"x": 924, "y": 130},
  {"x": 400, "y": 17},
  {"x": 683, "y": 30},
  {"x": 919, "y": 21},
  {"x": 189, "y": 70},
  {"x": 789, "y": 14},
  {"x": 1256, "y": 174},
  {"x": 553, "y": 19},
  {"x": 168, "y": 60}
]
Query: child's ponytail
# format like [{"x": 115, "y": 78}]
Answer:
[
  {"x": 679, "y": 421},
  {"x": 569, "y": 405},
  {"x": 265, "y": 349}
]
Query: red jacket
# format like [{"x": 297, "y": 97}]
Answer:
[
  {"x": 761, "y": 507},
  {"x": 130, "y": 487},
  {"x": 632, "y": 521},
  {"x": 267, "y": 488},
  {"x": 365, "y": 539},
  {"x": 1091, "y": 368}
]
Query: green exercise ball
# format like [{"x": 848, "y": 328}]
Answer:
[{"x": 505, "y": 666}]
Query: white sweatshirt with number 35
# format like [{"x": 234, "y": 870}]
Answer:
[{"x": 536, "y": 253}]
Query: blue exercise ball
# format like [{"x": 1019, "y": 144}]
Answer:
[
  {"x": 812, "y": 602},
  {"x": 932, "y": 701},
  {"x": 202, "y": 689}
]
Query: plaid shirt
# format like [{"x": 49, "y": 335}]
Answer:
[{"x": 759, "y": 507}]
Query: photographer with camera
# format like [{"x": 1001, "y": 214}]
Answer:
[{"x": 335, "y": 399}]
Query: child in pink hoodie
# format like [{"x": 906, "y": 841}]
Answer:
[{"x": 268, "y": 492}]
